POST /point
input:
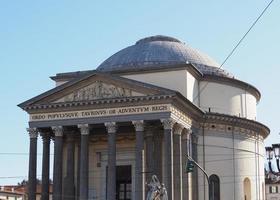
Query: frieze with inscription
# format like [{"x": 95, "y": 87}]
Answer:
[{"x": 100, "y": 112}]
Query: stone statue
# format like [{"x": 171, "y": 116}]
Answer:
[{"x": 156, "y": 191}]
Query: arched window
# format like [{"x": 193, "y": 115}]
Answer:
[
  {"x": 247, "y": 189},
  {"x": 214, "y": 187}
]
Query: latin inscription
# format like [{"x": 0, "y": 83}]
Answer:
[{"x": 99, "y": 112}]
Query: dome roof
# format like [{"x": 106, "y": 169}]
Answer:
[{"x": 157, "y": 52}]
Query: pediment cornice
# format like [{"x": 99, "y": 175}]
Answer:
[{"x": 96, "y": 87}]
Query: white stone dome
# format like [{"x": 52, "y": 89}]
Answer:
[{"x": 160, "y": 52}]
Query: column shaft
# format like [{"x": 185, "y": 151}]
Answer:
[
  {"x": 177, "y": 163},
  {"x": 78, "y": 171},
  {"x": 111, "y": 184},
  {"x": 32, "y": 179},
  {"x": 84, "y": 170},
  {"x": 158, "y": 154},
  {"x": 149, "y": 155},
  {"x": 69, "y": 183},
  {"x": 58, "y": 158},
  {"x": 139, "y": 161},
  {"x": 186, "y": 177},
  {"x": 168, "y": 160},
  {"x": 45, "y": 166},
  {"x": 194, "y": 175}
]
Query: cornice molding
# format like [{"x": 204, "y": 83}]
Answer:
[
  {"x": 233, "y": 82},
  {"x": 227, "y": 123},
  {"x": 98, "y": 102}
]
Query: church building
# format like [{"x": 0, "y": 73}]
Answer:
[{"x": 141, "y": 113}]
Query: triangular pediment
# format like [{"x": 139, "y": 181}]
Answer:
[
  {"x": 99, "y": 90},
  {"x": 93, "y": 87}
]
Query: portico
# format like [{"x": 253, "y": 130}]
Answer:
[{"x": 92, "y": 140}]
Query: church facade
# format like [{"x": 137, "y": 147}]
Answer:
[{"x": 139, "y": 114}]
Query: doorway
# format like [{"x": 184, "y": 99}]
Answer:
[{"x": 123, "y": 184}]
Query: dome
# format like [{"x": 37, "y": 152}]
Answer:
[{"x": 158, "y": 52}]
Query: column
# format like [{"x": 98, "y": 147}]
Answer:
[
  {"x": 111, "y": 185},
  {"x": 69, "y": 183},
  {"x": 139, "y": 160},
  {"x": 149, "y": 152},
  {"x": 32, "y": 181},
  {"x": 194, "y": 176},
  {"x": 78, "y": 169},
  {"x": 157, "y": 136},
  {"x": 45, "y": 165},
  {"x": 177, "y": 151},
  {"x": 168, "y": 156},
  {"x": 186, "y": 176},
  {"x": 84, "y": 161},
  {"x": 57, "y": 166}
]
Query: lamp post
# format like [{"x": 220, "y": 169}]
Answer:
[
  {"x": 189, "y": 168},
  {"x": 270, "y": 151}
]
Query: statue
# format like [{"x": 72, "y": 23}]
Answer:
[{"x": 156, "y": 191}]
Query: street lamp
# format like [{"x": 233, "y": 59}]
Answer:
[{"x": 189, "y": 168}]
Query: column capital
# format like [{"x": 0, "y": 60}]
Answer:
[
  {"x": 187, "y": 132},
  {"x": 194, "y": 138},
  {"x": 58, "y": 131},
  {"x": 45, "y": 136},
  {"x": 33, "y": 132},
  {"x": 178, "y": 128},
  {"x": 138, "y": 125},
  {"x": 168, "y": 123},
  {"x": 111, "y": 127},
  {"x": 84, "y": 129}
]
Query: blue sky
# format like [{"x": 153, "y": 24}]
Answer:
[{"x": 41, "y": 38}]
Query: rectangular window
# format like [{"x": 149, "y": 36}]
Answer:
[{"x": 273, "y": 189}]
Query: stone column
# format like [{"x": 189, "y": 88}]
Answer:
[
  {"x": 157, "y": 156},
  {"x": 69, "y": 183},
  {"x": 78, "y": 146},
  {"x": 45, "y": 166},
  {"x": 168, "y": 156},
  {"x": 58, "y": 159},
  {"x": 149, "y": 152},
  {"x": 139, "y": 160},
  {"x": 177, "y": 151},
  {"x": 111, "y": 185},
  {"x": 194, "y": 177},
  {"x": 84, "y": 161},
  {"x": 32, "y": 179},
  {"x": 186, "y": 176}
]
